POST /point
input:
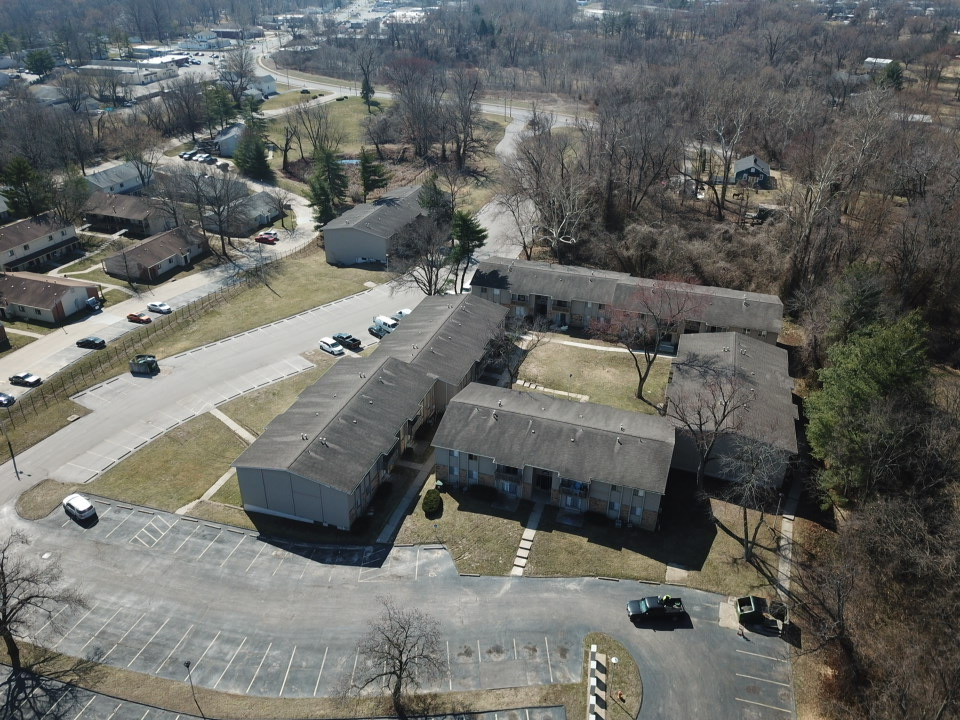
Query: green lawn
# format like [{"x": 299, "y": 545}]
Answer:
[
  {"x": 30, "y": 327},
  {"x": 40, "y": 422},
  {"x": 17, "y": 341},
  {"x": 608, "y": 378},
  {"x": 346, "y": 114},
  {"x": 288, "y": 99}
]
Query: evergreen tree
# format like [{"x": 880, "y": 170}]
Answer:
[
  {"x": 251, "y": 158},
  {"x": 252, "y": 116},
  {"x": 435, "y": 201},
  {"x": 373, "y": 175},
  {"x": 321, "y": 200},
  {"x": 330, "y": 169},
  {"x": 28, "y": 191},
  {"x": 220, "y": 109},
  {"x": 40, "y": 62},
  {"x": 468, "y": 237}
]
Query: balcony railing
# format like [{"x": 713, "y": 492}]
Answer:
[
  {"x": 574, "y": 488},
  {"x": 508, "y": 476}
]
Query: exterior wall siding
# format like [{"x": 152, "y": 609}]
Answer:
[{"x": 344, "y": 245}]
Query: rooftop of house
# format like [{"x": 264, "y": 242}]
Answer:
[
  {"x": 718, "y": 307},
  {"x": 751, "y": 161},
  {"x": 384, "y": 216},
  {"x": 445, "y": 335},
  {"x": 119, "y": 174},
  {"x": 157, "y": 248},
  {"x": 231, "y": 131},
  {"x": 580, "y": 441},
  {"x": 36, "y": 290},
  {"x": 756, "y": 376},
  {"x": 338, "y": 428},
  {"x": 22, "y": 232},
  {"x": 125, "y": 207}
]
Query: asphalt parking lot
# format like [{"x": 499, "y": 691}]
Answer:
[{"x": 226, "y": 655}]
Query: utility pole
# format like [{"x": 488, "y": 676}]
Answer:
[
  {"x": 14, "y": 457},
  {"x": 186, "y": 664}
]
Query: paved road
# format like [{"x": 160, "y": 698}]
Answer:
[{"x": 284, "y": 620}]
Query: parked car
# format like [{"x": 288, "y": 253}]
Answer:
[
  {"x": 139, "y": 318},
  {"x": 388, "y": 324},
  {"x": 201, "y": 157},
  {"x": 160, "y": 307},
  {"x": 6, "y": 400},
  {"x": 78, "y": 507},
  {"x": 348, "y": 341},
  {"x": 271, "y": 233},
  {"x": 188, "y": 155},
  {"x": 655, "y": 607},
  {"x": 401, "y": 313},
  {"x": 331, "y": 346},
  {"x": 25, "y": 380},
  {"x": 92, "y": 343},
  {"x": 377, "y": 331},
  {"x": 265, "y": 239}
]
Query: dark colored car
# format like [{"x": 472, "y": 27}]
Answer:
[
  {"x": 655, "y": 608},
  {"x": 25, "y": 379},
  {"x": 92, "y": 343},
  {"x": 6, "y": 400},
  {"x": 139, "y": 318},
  {"x": 348, "y": 341},
  {"x": 376, "y": 331},
  {"x": 305, "y": 92}
]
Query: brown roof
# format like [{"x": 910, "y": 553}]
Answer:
[
  {"x": 157, "y": 248},
  {"x": 125, "y": 207},
  {"x": 36, "y": 290},
  {"x": 24, "y": 231}
]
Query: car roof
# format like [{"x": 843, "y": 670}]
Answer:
[
  {"x": 77, "y": 499},
  {"x": 328, "y": 340}
]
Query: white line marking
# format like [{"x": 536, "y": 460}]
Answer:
[
  {"x": 772, "y": 707},
  {"x": 51, "y": 708},
  {"x": 119, "y": 705},
  {"x": 258, "y": 667},
  {"x": 211, "y": 543},
  {"x": 75, "y": 625},
  {"x": 479, "y": 659},
  {"x": 145, "y": 714},
  {"x": 52, "y": 618},
  {"x": 354, "y": 671},
  {"x": 123, "y": 637},
  {"x": 232, "y": 551},
  {"x": 100, "y": 630},
  {"x": 416, "y": 566},
  {"x": 164, "y": 661},
  {"x": 515, "y": 657},
  {"x": 206, "y": 651},
  {"x": 322, "y": 663},
  {"x": 278, "y": 566},
  {"x": 449, "y": 671},
  {"x": 149, "y": 641},
  {"x": 773, "y": 682},
  {"x": 308, "y": 563},
  {"x": 185, "y": 539},
  {"x": 549, "y": 664},
  {"x": 287, "y": 673},
  {"x": 262, "y": 546},
  {"x": 118, "y": 526},
  {"x": 89, "y": 702},
  {"x": 232, "y": 658},
  {"x": 766, "y": 657}
]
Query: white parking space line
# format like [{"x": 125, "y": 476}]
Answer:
[
  {"x": 216, "y": 537},
  {"x": 123, "y": 637},
  {"x": 206, "y": 651},
  {"x": 765, "y": 657},
  {"x": 416, "y": 565},
  {"x": 353, "y": 672},
  {"x": 232, "y": 551},
  {"x": 309, "y": 559},
  {"x": 119, "y": 705},
  {"x": 759, "y": 679},
  {"x": 262, "y": 546},
  {"x": 145, "y": 714},
  {"x": 449, "y": 671},
  {"x": 63, "y": 637},
  {"x": 186, "y": 539},
  {"x": 279, "y": 564},
  {"x": 322, "y": 663},
  {"x": 175, "y": 647},
  {"x": 270, "y": 645},
  {"x": 549, "y": 664},
  {"x": 149, "y": 641},
  {"x": 772, "y": 707},
  {"x": 118, "y": 526},
  {"x": 515, "y": 656},
  {"x": 100, "y": 630},
  {"x": 52, "y": 707},
  {"x": 287, "y": 673},
  {"x": 89, "y": 702},
  {"x": 232, "y": 658},
  {"x": 479, "y": 654}
]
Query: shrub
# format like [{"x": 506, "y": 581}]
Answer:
[{"x": 432, "y": 503}]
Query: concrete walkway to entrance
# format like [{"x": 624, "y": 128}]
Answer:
[{"x": 526, "y": 540}]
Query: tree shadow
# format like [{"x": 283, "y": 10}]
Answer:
[{"x": 45, "y": 687}]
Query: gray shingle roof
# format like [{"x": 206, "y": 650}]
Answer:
[
  {"x": 37, "y": 291},
  {"x": 581, "y": 441},
  {"x": 350, "y": 416},
  {"x": 719, "y": 307},
  {"x": 236, "y": 130},
  {"x": 384, "y": 216},
  {"x": 124, "y": 207},
  {"x": 769, "y": 415},
  {"x": 118, "y": 175},
  {"x": 445, "y": 335},
  {"x": 745, "y": 163},
  {"x": 157, "y": 248},
  {"x": 24, "y": 231}
]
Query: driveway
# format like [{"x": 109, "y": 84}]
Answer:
[{"x": 284, "y": 620}]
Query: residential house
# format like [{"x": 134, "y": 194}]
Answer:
[
  {"x": 226, "y": 140},
  {"x": 323, "y": 459},
  {"x": 43, "y": 298},
  {"x": 35, "y": 242},
  {"x": 125, "y": 178},
  {"x": 259, "y": 86},
  {"x": 752, "y": 171},
  {"x": 365, "y": 233},
  {"x": 753, "y": 379},
  {"x": 579, "y": 456},
  {"x": 4, "y": 208},
  {"x": 108, "y": 212},
  {"x": 151, "y": 259},
  {"x": 446, "y": 337},
  {"x": 576, "y": 296},
  {"x": 246, "y": 215}
]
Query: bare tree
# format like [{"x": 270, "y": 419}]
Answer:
[
  {"x": 317, "y": 129},
  {"x": 238, "y": 70},
  {"x": 280, "y": 200},
  {"x": 401, "y": 650},
  {"x": 25, "y": 588},
  {"x": 419, "y": 88},
  {"x": 515, "y": 339},
  {"x": 462, "y": 110},
  {"x": 520, "y": 208},
  {"x": 656, "y": 314},
  {"x": 420, "y": 256},
  {"x": 74, "y": 89}
]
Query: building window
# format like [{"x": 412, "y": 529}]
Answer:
[
  {"x": 638, "y": 493},
  {"x": 496, "y": 292},
  {"x": 637, "y": 510},
  {"x": 12, "y": 253},
  {"x": 762, "y": 333},
  {"x": 36, "y": 311},
  {"x": 471, "y": 456},
  {"x": 612, "y": 506},
  {"x": 561, "y": 303},
  {"x": 455, "y": 453},
  {"x": 521, "y": 298},
  {"x": 600, "y": 306},
  {"x": 26, "y": 247},
  {"x": 614, "y": 488},
  {"x": 483, "y": 290},
  {"x": 746, "y": 331},
  {"x": 22, "y": 308}
]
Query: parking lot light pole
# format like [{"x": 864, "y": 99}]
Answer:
[
  {"x": 10, "y": 448},
  {"x": 186, "y": 664}
]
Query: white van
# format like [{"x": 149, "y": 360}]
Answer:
[{"x": 385, "y": 323}]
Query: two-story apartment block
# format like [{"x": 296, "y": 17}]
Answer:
[
  {"x": 109, "y": 212},
  {"x": 576, "y": 296},
  {"x": 35, "y": 242},
  {"x": 127, "y": 177},
  {"x": 578, "y": 456}
]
